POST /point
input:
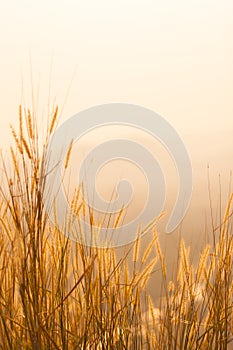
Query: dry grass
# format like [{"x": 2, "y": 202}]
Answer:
[{"x": 58, "y": 294}]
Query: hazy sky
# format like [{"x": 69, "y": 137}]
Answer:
[{"x": 174, "y": 57}]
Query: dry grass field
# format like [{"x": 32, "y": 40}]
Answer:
[{"x": 58, "y": 294}]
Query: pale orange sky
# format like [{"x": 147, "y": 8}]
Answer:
[{"x": 174, "y": 57}]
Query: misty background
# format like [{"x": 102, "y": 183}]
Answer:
[{"x": 172, "y": 57}]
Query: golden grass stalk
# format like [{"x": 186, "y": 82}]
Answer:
[
  {"x": 68, "y": 154},
  {"x": 149, "y": 248},
  {"x": 53, "y": 121},
  {"x": 29, "y": 125},
  {"x": 136, "y": 248},
  {"x": 118, "y": 218}
]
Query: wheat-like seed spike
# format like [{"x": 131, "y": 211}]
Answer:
[
  {"x": 181, "y": 273},
  {"x": 136, "y": 249},
  {"x": 29, "y": 124},
  {"x": 153, "y": 222},
  {"x": 53, "y": 120},
  {"x": 151, "y": 309},
  {"x": 184, "y": 257},
  {"x": 14, "y": 162},
  {"x": 158, "y": 249},
  {"x": 161, "y": 258},
  {"x": 77, "y": 209},
  {"x": 145, "y": 274},
  {"x": 68, "y": 154},
  {"x": 118, "y": 217},
  {"x": 202, "y": 262},
  {"x": 26, "y": 148},
  {"x": 148, "y": 250},
  {"x": 74, "y": 203},
  {"x": 16, "y": 140}
]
